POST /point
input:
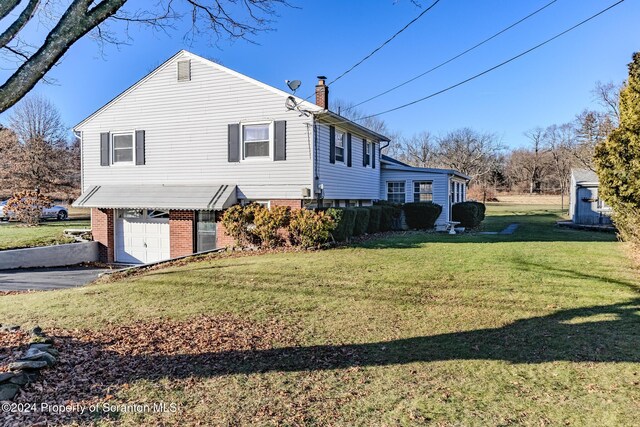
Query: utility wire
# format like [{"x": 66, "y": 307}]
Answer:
[
  {"x": 492, "y": 68},
  {"x": 373, "y": 52},
  {"x": 453, "y": 58}
]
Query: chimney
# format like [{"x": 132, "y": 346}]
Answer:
[{"x": 322, "y": 93}]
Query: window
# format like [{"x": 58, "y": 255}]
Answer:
[
  {"x": 340, "y": 137},
  {"x": 422, "y": 191},
  {"x": 206, "y": 231},
  {"x": 395, "y": 192},
  {"x": 131, "y": 213},
  {"x": 122, "y": 148},
  {"x": 256, "y": 140},
  {"x": 153, "y": 214},
  {"x": 367, "y": 154}
]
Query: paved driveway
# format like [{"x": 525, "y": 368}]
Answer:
[{"x": 44, "y": 279}]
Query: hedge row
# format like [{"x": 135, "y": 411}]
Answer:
[
  {"x": 469, "y": 214},
  {"x": 421, "y": 215}
]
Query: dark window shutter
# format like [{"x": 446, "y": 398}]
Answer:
[
  {"x": 373, "y": 155},
  {"x": 364, "y": 152},
  {"x": 104, "y": 149},
  {"x": 349, "y": 149},
  {"x": 332, "y": 144},
  {"x": 139, "y": 147},
  {"x": 233, "y": 138},
  {"x": 280, "y": 131}
]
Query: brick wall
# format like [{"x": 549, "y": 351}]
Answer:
[
  {"x": 223, "y": 240},
  {"x": 181, "y": 225},
  {"x": 292, "y": 203},
  {"x": 102, "y": 229}
]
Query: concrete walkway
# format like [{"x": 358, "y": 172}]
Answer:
[
  {"x": 509, "y": 229},
  {"x": 45, "y": 279}
]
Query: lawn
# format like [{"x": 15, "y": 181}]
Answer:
[
  {"x": 15, "y": 235},
  {"x": 540, "y": 327}
]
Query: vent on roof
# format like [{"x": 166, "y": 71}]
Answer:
[{"x": 184, "y": 71}]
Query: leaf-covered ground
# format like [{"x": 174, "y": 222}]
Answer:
[{"x": 538, "y": 328}]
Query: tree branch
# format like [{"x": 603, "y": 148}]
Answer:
[
  {"x": 75, "y": 23},
  {"x": 19, "y": 23},
  {"x": 7, "y": 6}
]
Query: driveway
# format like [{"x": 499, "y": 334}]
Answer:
[{"x": 45, "y": 279}]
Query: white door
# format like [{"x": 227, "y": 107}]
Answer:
[{"x": 142, "y": 236}]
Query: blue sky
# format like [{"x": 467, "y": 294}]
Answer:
[{"x": 548, "y": 86}]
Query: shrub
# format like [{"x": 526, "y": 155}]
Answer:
[
  {"x": 268, "y": 225},
  {"x": 421, "y": 215},
  {"x": 238, "y": 221},
  {"x": 26, "y": 206},
  {"x": 362, "y": 221},
  {"x": 308, "y": 228},
  {"x": 375, "y": 213},
  {"x": 388, "y": 214},
  {"x": 345, "y": 219},
  {"x": 469, "y": 214}
]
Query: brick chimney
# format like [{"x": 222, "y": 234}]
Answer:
[{"x": 322, "y": 93}]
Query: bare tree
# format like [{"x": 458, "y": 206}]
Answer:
[
  {"x": 471, "y": 152},
  {"x": 608, "y": 96},
  {"x": 592, "y": 128},
  {"x": 40, "y": 156},
  {"x": 559, "y": 140},
  {"x": 534, "y": 164},
  {"x": 108, "y": 21},
  {"x": 420, "y": 150}
]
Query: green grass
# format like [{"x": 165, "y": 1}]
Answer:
[
  {"x": 15, "y": 235},
  {"x": 537, "y": 328}
]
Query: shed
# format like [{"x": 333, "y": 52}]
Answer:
[{"x": 585, "y": 205}]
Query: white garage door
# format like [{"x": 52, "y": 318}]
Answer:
[{"x": 142, "y": 236}]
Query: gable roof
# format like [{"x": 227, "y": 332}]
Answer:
[
  {"x": 584, "y": 176},
  {"x": 184, "y": 53}
]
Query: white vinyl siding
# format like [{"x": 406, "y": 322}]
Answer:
[
  {"x": 340, "y": 181},
  {"x": 186, "y": 134},
  {"x": 440, "y": 186}
]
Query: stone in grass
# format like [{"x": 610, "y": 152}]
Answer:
[
  {"x": 8, "y": 391},
  {"x": 46, "y": 347},
  {"x": 37, "y": 331},
  {"x": 5, "y": 376},
  {"x": 27, "y": 364}
]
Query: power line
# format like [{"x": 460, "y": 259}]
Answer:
[
  {"x": 373, "y": 52},
  {"x": 454, "y": 57},
  {"x": 495, "y": 66}
]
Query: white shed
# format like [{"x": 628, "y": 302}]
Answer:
[{"x": 585, "y": 206}]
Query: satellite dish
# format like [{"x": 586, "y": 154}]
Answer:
[{"x": 293, "y": 84}]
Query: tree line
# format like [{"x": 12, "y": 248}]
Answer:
[
  {"x": 543, "y": 165},
  {"x": 37, "y": 152}
]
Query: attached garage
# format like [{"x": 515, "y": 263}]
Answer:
[{"x": 142, "y": 236}]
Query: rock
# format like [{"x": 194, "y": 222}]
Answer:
[
  {"x": 5, "y": 376},
  {"x": 8, "y": 391},
  {"x": 27, "y": 364},
  {"x": 37, "y": 331},
  {"x": 37, "y": 339},
  {"x": 20, "y": 379},
  {"x": 10, "y": 328},
  {"x": 42, "y": 347},
  {"x": 35, "y": 354}
]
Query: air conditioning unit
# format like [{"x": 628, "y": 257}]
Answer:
[{"x": 306, "y": 192}]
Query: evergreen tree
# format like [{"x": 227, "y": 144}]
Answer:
[{"x": 617, "y": 160}]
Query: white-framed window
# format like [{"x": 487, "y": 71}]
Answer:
[
  {"x": 367, "y": 154},
  {"x": 395, "y": 191},
  {"x": 122, "y": 145},
  {"x": 422, "y": 191},
  {"x": 256, "y": 140},
  {"x": 340, "y": 143},
  {"x": 132, "y": 213}
]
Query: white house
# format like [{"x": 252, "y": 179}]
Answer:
[{"x": 192, "y": 138}]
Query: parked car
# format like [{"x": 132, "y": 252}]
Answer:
[{"x": 54, "y": 212}]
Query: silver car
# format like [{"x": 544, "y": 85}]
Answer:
[{"x": 54, "y": 212}]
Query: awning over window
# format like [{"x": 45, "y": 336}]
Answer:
[{"x": 188, "y": 197}]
